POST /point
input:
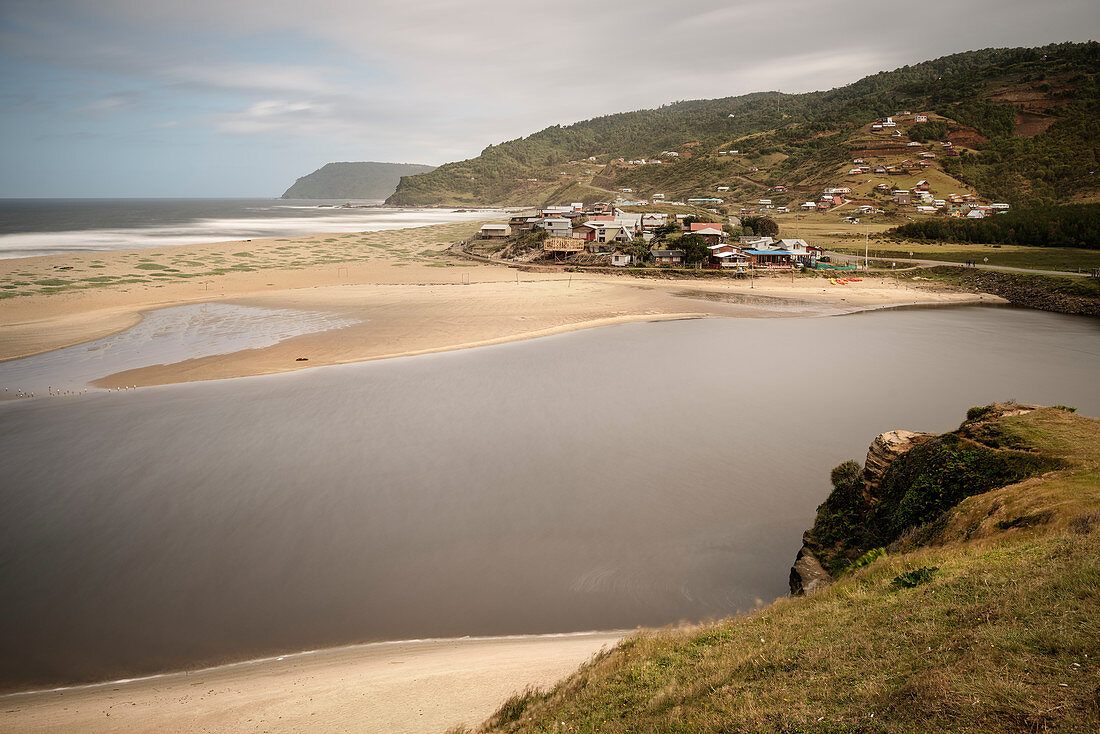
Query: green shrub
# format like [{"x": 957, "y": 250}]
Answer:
[{"x": 910, "y": 579}]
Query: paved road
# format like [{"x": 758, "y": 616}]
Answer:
[{"x": 841, "y": 257}]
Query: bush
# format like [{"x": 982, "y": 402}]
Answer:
[{"x": 910, "y": 579}]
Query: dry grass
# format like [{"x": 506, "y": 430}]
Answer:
[{"x": 1004, "y": 637}]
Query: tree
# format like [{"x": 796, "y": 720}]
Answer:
[
  {"x": 761, "y": 226},
  {"x": 694, "y": 247}
]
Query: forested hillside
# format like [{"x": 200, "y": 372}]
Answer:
[
  {"x": 1027, "y": 119},
  {"x": 358, "y": 180}
]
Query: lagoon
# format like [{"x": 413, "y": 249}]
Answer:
[{"x": 639, "y": 474}]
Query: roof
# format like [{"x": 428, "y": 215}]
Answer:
[
  {"x": 494, "y": 226},
  {"x": 707, "y": 231},
  {"x": 667, "y": 253}
]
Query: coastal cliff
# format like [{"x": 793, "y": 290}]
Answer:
[
  {"x": 966, "y": 599},
  {"x": 908, "y": 480},
  {"x": 357, "y": 180}
]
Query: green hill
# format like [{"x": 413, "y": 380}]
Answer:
[
  {"x": 982, "y": 614},
  {"x": 362, "y": 180},
  {"x": 1027, "y": 119}
]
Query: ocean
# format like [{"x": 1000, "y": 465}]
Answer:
[{"x": 32, "y": 227}]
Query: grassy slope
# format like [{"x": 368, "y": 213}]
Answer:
[
  {"x": 1004, "y": 638},
  {"x": 808, "y": 142}
]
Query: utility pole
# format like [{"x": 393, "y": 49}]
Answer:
[{"x": 866, "y": 244}]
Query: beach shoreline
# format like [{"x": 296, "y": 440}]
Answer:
[
  {"x": 406, "y": 292},
  {"x": 401, "y": 686}
]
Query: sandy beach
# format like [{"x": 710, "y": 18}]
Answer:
[
  {"x": 404, "y": 291},
  {"x": 401, "y": 688}
]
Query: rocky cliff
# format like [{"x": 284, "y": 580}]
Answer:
[
  {"x": 359, "y": 180},
  {"x": 908, "y": 481}
]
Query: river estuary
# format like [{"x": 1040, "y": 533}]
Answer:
[{"x": 640, "y": 474}]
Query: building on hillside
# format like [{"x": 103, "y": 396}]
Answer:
[
  {"x": 667, "y": 257},
  {"x": 902, "y": 198},
  {"x": 808, "y": 206},
  {"x": 494, "y": 232},
  {"x": 920, "y": 118},
  {"x": 556, "y": 226},
  {"x": 712, "y": 235},
  {"x": 621, "y": 259}
]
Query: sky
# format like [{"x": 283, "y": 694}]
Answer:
[{"x": 238, "y": 98}]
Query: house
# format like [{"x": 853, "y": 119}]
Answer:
[
  {"x": 705, "y": 200},
  {"x": 920, "y": 118},
  {"x": 1000, "y": 207},
  {"x": 621, "y": 259},
  {"x": 769, "y": 258},
  {"x": 779, "y": 189},
  {"x": 556, "y": 226},
  {"x": 653, "y": 221},
  {"x": 975, "y": 214},
  {"x": 521, "y": 223},
  {"x": 921, "y": 185},
  {"x": 876, "y": 126},
  {"x": 602, "y": 232},
  {"x": 912, "y": 144},
  {"x": 494, "y": 231},
  {"x": 926, "y": 209},
  {"x": 712, "y": 235},
  {"x": 809, "y": 205},
  {"x": 667, "y": 257},
  {"x": 889, "y": 122},
  {"x": 902, "y": 198},
  {"x": 728, "y": 256},
  {"x": 880, "y": 170},
  {"x": 927, "y": 154}
]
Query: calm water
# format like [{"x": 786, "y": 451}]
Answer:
[
  {"x": 30, "y": 227},
  {"x": 632, "y": 475}
]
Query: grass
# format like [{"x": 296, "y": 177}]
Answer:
[
  {"x": 998, "y": 631},
  {"x": 1067, "y": 259}
]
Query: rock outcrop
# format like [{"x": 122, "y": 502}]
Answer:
[
  {"x": 807, "y": 574},
  {"x": 883, "y": 450}
]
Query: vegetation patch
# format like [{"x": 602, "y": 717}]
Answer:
[{"x": 912, "y": 579}]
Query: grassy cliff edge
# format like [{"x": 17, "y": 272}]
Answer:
[{"x": 982, "y": 613}]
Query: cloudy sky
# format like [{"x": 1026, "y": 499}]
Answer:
[{"x": 240, "y": 97}]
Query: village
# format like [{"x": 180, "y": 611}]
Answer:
[{"x": 704, "y": 231}]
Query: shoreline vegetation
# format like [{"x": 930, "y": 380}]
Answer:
[
  {"x": 981, "y": 613},
  {"x": 406, "y": 289}
]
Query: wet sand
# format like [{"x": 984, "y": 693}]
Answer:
[
  {"x": 407, "y": 295},
  {"x": 400, "y": 687}
]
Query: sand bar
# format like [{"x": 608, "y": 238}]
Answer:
[
  {"x": 405, "y": 292},
  {"x": 423, "y": 686}
]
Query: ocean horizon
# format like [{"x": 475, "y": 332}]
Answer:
[{"x": 36, "y": 227}]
